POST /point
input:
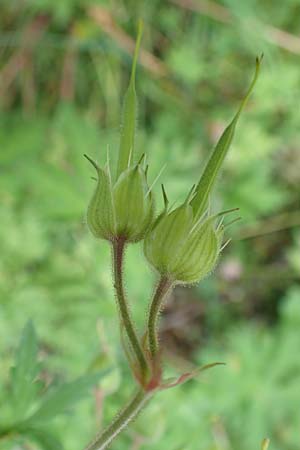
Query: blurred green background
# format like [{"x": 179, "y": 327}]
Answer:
[{"x": 64, "y": 67}]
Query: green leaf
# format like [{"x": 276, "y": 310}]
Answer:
[
  {"x": 24, "y": 372},
  {"x": 203, "y": 189},
  {"x": 128, "y": 124},
  {"x": 44, "y": 438},
  {"x": 62, "y": 398}
]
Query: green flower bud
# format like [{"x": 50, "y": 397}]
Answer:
[
  {"x": 166, "y": 237},
  {"x": 133, "y": 204},
  {"x": 198, "y": 255},
  {"x": 124, "y": 210},
  {"x": 181, "y": 245},
  {"x": 181, "y": 250}
]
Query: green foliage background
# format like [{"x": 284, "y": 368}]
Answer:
[{"x": 60, "y": 97}]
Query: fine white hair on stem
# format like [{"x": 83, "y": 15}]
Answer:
[{"x": 225, "y": 245}]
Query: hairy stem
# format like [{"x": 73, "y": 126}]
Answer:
[
  {"x": 163, "y": 287},
  {"x": 103, "y": 440},
  {"x": 118, "y": 253}
]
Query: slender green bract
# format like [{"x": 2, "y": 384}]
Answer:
[
  {"x": 128, "y": 126},
  {"x": 118, "y": 254},
  {"x": 203, "y": 189}
]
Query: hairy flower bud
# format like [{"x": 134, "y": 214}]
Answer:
[
  {"x": 181, "y": 244},
  {"x": 181, "y": 250},
  {"x": 163, "y": 241},
  {"x": 133, "y": 204},
  {"x": 124, "y": 210},
  {"x": 198, "y": 254}
]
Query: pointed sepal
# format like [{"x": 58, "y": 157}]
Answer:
[
  {"x": 101, "y": 213},
  {"x": 208, "y": 178}
]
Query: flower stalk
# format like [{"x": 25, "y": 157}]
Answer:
[
  {"x": 122, "y": 419},
  {"x": 163, "y": 288},
  {"x": 118, "y": 256}
]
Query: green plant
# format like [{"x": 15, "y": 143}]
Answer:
[
  {"x": 182, "y": 244},
  {"x": 52, "y": 271},
  {"x": 32, "y": 403}
]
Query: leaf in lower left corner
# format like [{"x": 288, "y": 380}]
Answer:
[
  {"x": 61, "y": 399},
  {"x": 24, "y": 372},
  {"x": 45, "y": 439}
]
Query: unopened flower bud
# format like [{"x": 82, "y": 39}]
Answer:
[
  {"x": 198, "y": 255},
  {"x": 124, "y": 210},
  {"x": 182, "y": 245},
  {"x": 163, "y": 241},
  {"x": 180, "y": 250},
  {"x": 133, "y": 204}
]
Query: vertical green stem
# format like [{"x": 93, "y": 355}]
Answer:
[
  {"x": 118, "y": 253},
  {"x": 103, "y": 440},
  {"x": 163, "y": 287}
]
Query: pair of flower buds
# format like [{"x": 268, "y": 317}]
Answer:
[{"x": 182, "y": 244}]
